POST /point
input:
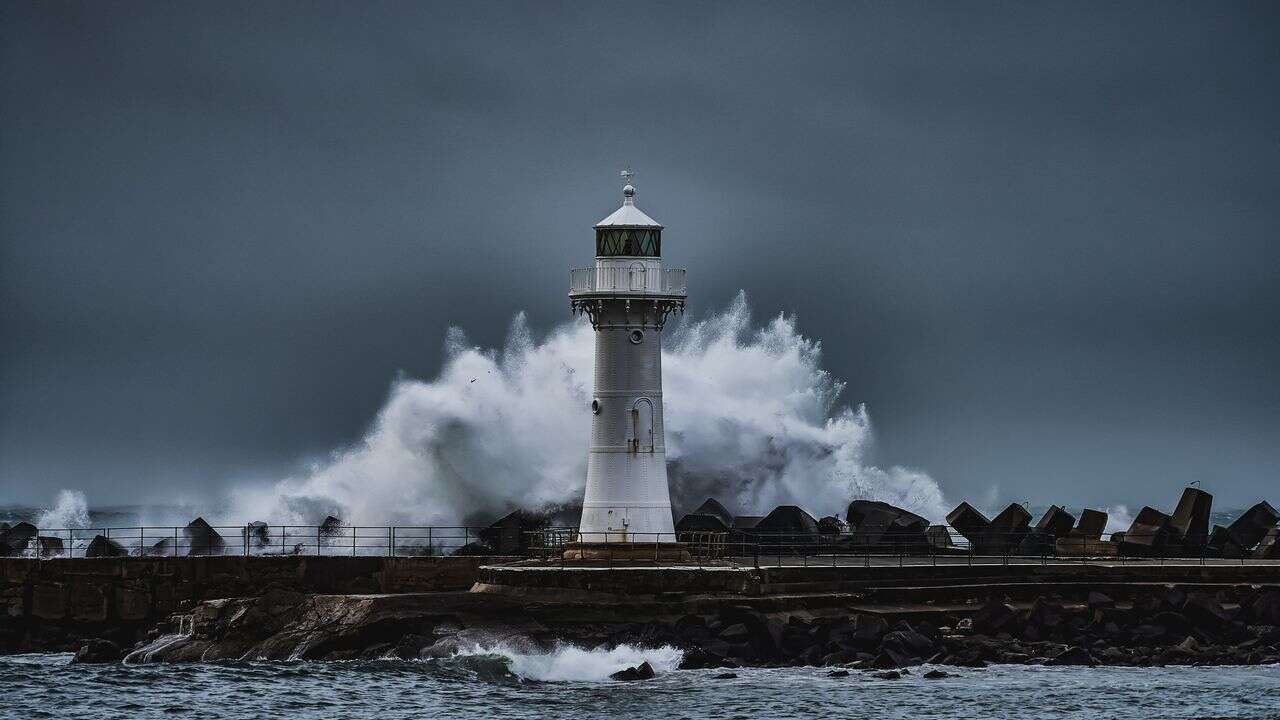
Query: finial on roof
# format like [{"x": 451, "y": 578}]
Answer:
[{"x": 628, "y": 190}]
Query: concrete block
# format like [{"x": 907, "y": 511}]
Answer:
[
  {"x": 1249, "y": 528},
  {"x": 1091, "y": 525},
  {"x": 1056, "y": 522},
  {"x": 969, "y": 522},
  {"x": 1191, "y": 518}
]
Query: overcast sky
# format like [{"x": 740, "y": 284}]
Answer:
[{"x": 1038, "y": 240}]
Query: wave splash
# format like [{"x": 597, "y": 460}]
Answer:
[
  {"x": 569, "y": 663},
  {"x": 752, "y": 418}
]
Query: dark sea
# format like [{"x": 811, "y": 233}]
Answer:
[{"x": 571, "y": 683}]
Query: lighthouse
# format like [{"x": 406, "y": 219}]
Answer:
[{"x": 628, "y": 297}]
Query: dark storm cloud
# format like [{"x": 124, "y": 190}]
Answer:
[{"x": 1038, "y": 240}]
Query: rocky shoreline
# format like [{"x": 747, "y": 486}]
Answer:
[{"x": 1166, "y": 626}]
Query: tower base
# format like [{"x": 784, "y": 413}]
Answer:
[{"x": 628, "y": 552}]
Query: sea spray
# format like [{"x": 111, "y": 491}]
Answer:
[
  {"x": 567, "y": 663},
  {"x": 69, "y": 512},
  {"x": 751, "y": 418}
]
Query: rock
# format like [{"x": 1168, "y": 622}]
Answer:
[
  {"x": 968, "y": 522},
  {"x": 877, "y": 523},
  {"x": 15, "y": 539},
  {"x": 202, "y": 539},
  {"x": 162, "y": 548},
  {"x": 1055, "y": 522},
  {"x": 1266, "y": 608},
  {"x": 699, "y": 522},
  {"x": 831, "y": 525},
  {"x": 474, "y": 549},
  {"x": 1223, "y": 544},
  {"x": 330, "y": 527},
  {"x": 907, "y": 643},
  {"x": 1149, "y": 533},
  {"x": 699, "y": 658},
  {"x": 1249, "y": 529},
  {"x": 838, "y": 673},
  {"x": 936, "y": 675},
  {"x": 888, "y": 675},
  {"x": 1098, "y": 601},
  {"x": 1091, "y": 525},
  {"x": 514, "y": 533},
  {"x": 791, "y": 521},
  {"x": 97, "y": 652},
  {"x": 735, "y": 633},
  {"x": 1268, "y": 548},
  {"x": 1008, "y": 528},
  {"x": 938, "y": 536},
  {"x": 994, "y": 617},
  {"x": 49, "y": 546},
  {"x": 714, "y": 508},
  {"x": 1074, "y": 655},
  {"x": 256, "y": 535},
  {"x": 643, "y": 671},
  {"x": 892, "y": 657},
  {"x": 724, "y": 676},
  {"x": 1205, "y": 612},
  {"x": 1191, "y": 518},
  {"x": 102, "y": 546}
]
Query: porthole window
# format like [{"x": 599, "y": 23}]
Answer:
[
  {"x": 637, "y": 337},
  {"x": 595, "y": 407}
]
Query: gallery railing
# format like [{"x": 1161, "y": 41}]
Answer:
[{"x": 941, "y": 544}]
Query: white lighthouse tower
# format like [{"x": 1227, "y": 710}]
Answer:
[{"x": 628, "y": 297}]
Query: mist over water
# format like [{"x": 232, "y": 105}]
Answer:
[{"x": 751, "y": 418}]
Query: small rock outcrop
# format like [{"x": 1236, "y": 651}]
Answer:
[
  {"x": 643, "y": 671},
  {"x": 98, "y": 651}
]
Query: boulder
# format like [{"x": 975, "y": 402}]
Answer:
[
  {"x": 1222, "y": 543},
  {"x": 907, "y": 642},
  {"x": 786, "y": 525},
  {"x": 474, "y": 549},
  {"x": 1150, "y": 532},
  {"x": 1098, "y": 601},
  {"x": 1203, "y": 611},
  {"x": 968, "y": 522},
  {"x": 1074, "y": 655},
  {"x": 49, "y": 546},
  {"x": 162, "y": 548},
  {"x": 713, "y": 508},
  {"x": 1266, "y": 608},
  {"x": 879, "y": 523},
  {"x": 1056, "y": 521},
  {"x": 838, "y": 673},
  {"x": 831, "y": 525},
  {"x": 887, "y": 675},
  {"x": 513, "y": 533},
  {"x": 1268, "y": 548},
  {"x": 936, "y": 675},
  {"x": 15, "y": 539},
  {"x": 102, "y": 546},
  {"x": 994, "y": 617},
  {"x": 1249, "y": 529},
  {"x": 256, "y": 535},
  {"x": 330, "y": 527},
  {"x": 202, "y": 539},
  {"x": 1191, "y": 518},
  {"x": 699, "y": 522},
  {"x": 1007, "y": 529},
  {"x": 643, "y": 671},
  {"x": 938, "y": 536},
  {"x": 1091, "y": 524},
  {"x": 98, "y": 651}
]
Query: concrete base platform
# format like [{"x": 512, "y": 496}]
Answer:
[{"x": 628, "y": 552}]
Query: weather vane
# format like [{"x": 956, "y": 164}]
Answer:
[{"x": 627, "y": 175}]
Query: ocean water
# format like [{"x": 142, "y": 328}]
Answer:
[{"x": 573, "y": 683}]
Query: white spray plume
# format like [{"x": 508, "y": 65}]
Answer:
[
  {"x": 751, "y": 418},
  {"x": 70, "y": 511},
  {"x": 1118, "y": 519}
]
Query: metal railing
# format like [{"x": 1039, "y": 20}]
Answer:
[
  {"x": 624, "y": 280},
  {"x": 736, "y": 547}
]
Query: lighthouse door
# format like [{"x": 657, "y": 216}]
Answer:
[
  {"x": 642, "y": 425},
  {"x": 638, "y": 277}
]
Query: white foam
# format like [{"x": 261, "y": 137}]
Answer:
[{"x": 571, "y": 663}]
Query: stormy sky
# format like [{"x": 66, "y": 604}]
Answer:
[{"x": 1039, "y": 240}]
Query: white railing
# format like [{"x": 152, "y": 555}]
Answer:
[{"x": 624, "y": 280}]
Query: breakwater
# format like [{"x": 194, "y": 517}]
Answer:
[{"x": 53, "y": 603}]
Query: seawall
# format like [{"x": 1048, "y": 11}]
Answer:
[{"x": 52, "y": 602}]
